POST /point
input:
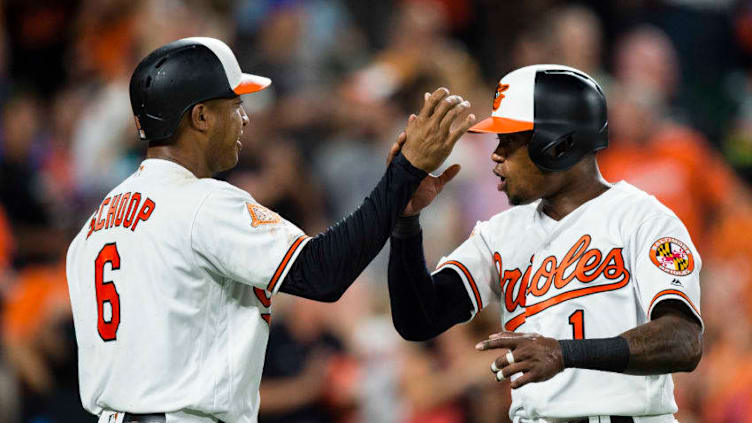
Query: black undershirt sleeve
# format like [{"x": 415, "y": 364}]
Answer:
[
  {"x": 331, "y": 261},
  {"x": 423, "y": 306}
]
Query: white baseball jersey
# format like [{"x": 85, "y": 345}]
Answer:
[
  {"x": 596, "y": 273},
  {"x": 171, "y": 282}
]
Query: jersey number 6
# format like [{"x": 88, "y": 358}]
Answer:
[{"x": 107, "y": 293}]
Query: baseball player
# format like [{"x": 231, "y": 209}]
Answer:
[
  {"x": 171, "y": 279},
  {"x": 597, "y": 283}
]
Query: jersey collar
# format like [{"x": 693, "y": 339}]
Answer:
[{"x": 162, "y": 166}]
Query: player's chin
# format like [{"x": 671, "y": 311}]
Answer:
[
  {"x": 230, "y": 160},
  {"x": 233, "y": 161},
  {"x": 514, "y": 200},
  {"x": 518, "y": 200}
]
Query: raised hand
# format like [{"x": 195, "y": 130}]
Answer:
[
  {"x": 429, "y": 137},
  {"x": 431, "y": 185},
  {"x": 537, "y": 357},
  {"x": 448, "y": 113}
]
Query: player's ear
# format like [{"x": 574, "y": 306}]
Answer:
[{"x": 199, "y": 117}]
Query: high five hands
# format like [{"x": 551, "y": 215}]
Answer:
[
  {"x": 427, "y": 141},
  {"x": 538, "y": 358}
]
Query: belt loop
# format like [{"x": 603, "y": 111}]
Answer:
[{"x": 599, "y": 419}]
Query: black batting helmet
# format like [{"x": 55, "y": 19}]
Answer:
[
  {"x": 176, "y": 76},
  {"x": 559, "y": 104}
]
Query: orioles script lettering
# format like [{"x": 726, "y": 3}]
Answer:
[{"x": 579, "y": 263}]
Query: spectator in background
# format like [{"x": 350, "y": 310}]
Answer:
[
  {"x": 646, "y": 58},
  {"x": 652, "y": 150},
  {"x": 6, "y": 247},
  {"x": 576, "y": 39},
  {"x": 56, "y": 171},
  {"x": 21, "y": 192},
  {"x": 39, "y": 343},
  {"x": 727, "y": 302},
  {"x": 737, "y": 146},
  {"x": 111, "y": 37},
  {"x": 275, "y": 172},
  {"x": 38, "y": 33},
  {"x": 440, "y": 378},
  {"x": 421, "y": 54},
  {"x": 5, "y": 80},
  {"x": 668, "y": 160},
  {"x": 102, "y": 52},
  {"x": 305, "y": 357}
]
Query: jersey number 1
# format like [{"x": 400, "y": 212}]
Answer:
[
  {"x": 107, "y": 293},
  {"x": 577, "y": 320}
]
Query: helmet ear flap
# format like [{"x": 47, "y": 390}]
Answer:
[
  {"x": 556, "y": 153},
  {"x": 555, "y": 150}
]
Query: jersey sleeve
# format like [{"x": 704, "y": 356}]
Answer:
[
  {"x": 666, "y": 264},
  {"x": 473, "y": 262},
  {"x": 235, "y": 237}
]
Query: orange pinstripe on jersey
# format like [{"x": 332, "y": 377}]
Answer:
[
  {"x": 283, "y": 265},
  {"x": 470, "y": 279},
  {"x": 672, "y": 292}
]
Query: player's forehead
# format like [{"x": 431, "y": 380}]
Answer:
[
  {"x": 222, "y": 102},
  {"x": 515, "y": 138}
]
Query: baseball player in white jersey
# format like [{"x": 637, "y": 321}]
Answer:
[
  {"x": 597, "y": 283},
  {"x": 171, "y": 279}
]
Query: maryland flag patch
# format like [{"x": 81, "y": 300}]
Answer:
[
  {"x": 260, "y": 215},
  {"x": 672, "y": 256}
]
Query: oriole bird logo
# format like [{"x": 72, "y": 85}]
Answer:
[{"x": 499, "y": 95}]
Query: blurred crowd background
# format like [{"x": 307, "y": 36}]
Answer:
[{"x": 678, "y": 76}]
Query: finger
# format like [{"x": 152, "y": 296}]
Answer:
[
  {"x": 462, "y": 128},
  {"x": 453, "y": 115},
  {"x": 523, "y": 380},
  {"x": 448, "y": 175},
  {"x": 509, "y": 342},
  {"x": 432, "y": 101},
  {"x": 412, "y": 117},
  {"x": 500, "y": 362},
  {"x": 402, "y": 138},
  {"x": 443, "y": 108},
  {"x": 515, "y": 368},
  {"x": 396, "y": 147},
  {"x": 508, "y": 334}
]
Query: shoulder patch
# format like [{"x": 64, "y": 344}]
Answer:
[
  {"x": 672, "y": 256},
  {"x": 260, "y": 215}
]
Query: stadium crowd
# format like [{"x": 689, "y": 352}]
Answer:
[{"x": 346, "y": 74}]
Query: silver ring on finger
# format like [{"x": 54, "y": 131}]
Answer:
[{"x": 510, "y": 357}]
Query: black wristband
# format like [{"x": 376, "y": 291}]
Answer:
[
  {"x": 608, "y": 354},
  {"x": 406, "y": 227}
]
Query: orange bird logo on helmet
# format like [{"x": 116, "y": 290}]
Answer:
[{"x": 499, "y": 95}]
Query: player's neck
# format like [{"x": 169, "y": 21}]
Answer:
[
  {"x": 582, "y": 187},
  {"x": 189, "y": 160}
]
